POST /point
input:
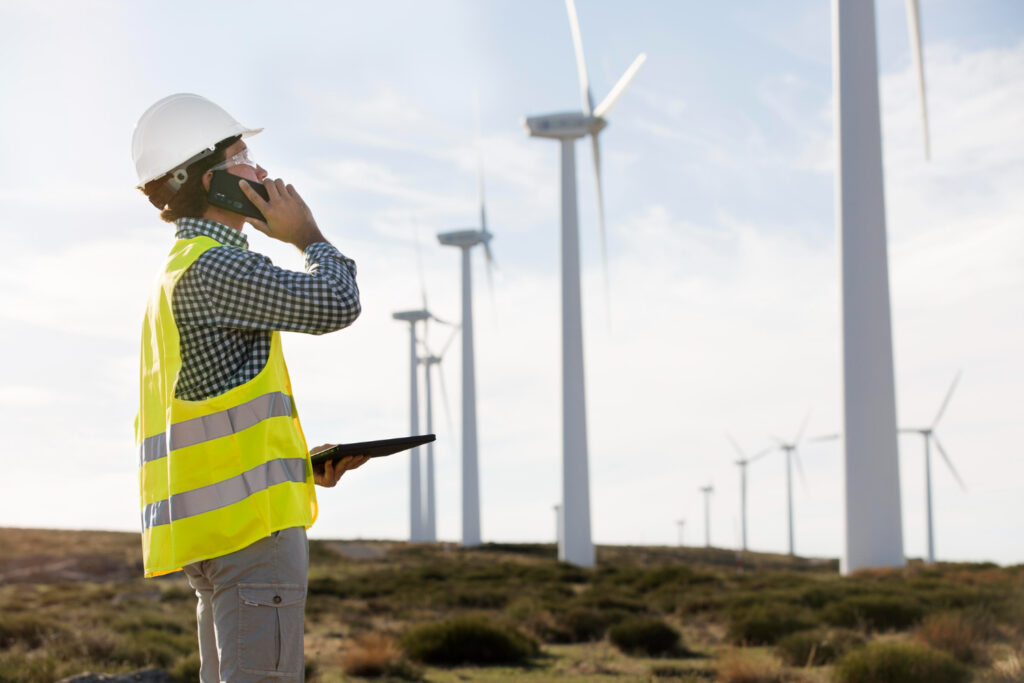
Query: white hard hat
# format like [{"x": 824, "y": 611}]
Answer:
[{"x": 178, "y": 130}]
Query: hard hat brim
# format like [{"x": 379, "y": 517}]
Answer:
[{"x": 187, "y": 159}]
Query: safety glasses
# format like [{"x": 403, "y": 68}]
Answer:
[{"x": 240, "y": 159}]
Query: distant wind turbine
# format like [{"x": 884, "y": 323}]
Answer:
[
  {"x": 681, "y": 523},
  {"x": 707, "y": 491},
  {"x": 928, "y": 433},
  {"x": 577, "y": 545},
  {"x": 430, "y": 361},
  {"x": 790, "y": 449},
  {"x": 416, "y": 526},
  {"x": 743, "y": 462},
  {"x": 874, "y": 528},
  {"x": 466, "y": 240}
]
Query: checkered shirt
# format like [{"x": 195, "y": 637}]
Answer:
[{"x": 229, "y": 301}]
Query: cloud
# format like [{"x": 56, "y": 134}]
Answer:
[{"x": 90, "y": 288}]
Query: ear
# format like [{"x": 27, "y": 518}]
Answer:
[{"x": 207, "y": 179}]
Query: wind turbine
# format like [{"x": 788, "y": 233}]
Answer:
[
  {"x": 928, "y": 433},
  {"x": 790, "y": 449},
  {"x": 874, "y": 530},
  {"x": 466, "y": 240},
  {"x": 707, "y": 491},
  {"x": 577, "y": 546},
  {"x": 430, "y": 361},
  {"x": 681, "y": 523},
  {"x": 416, "y": 527},
  {"x": 743, "y": 462}
]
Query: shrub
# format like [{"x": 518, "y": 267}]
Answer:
[
  {"x": 468, "y": 640},
  {"x": 826, "y": 593},
  {"x": 475, "y": 597},
  {"x": 585, "y": 625},
  {"x": 644, "y": 635},
  {"x": 672, "y": 575},
  {"x": 899, "y": 663},
  {"x": 186, "y": 669},
  {"x": 961, "y": 634},
  {"x": 736, "y": 668},
  {"x": 29, "y": 630},
  {"x": 874, "y": 612},
  {"x": 375, "y": 654},
  {"x": 816, "y": 647},
  {"x": 611, "y": 600},
  {"x": 765, "y": 624}
]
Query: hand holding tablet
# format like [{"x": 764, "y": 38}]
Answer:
[{"x": 369, "y": 449}]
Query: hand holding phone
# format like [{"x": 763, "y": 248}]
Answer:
[
  {"x": 226, "y": 193},
  {"x": 286, "y": 216}
]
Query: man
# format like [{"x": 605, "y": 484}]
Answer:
[{"x": 224, "y": 473}]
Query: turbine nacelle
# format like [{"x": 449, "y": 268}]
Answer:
[
  {"x": 569, "y": 125},
  {"x": 412, "y": 316},
  {"x": 464, "y": 238}
]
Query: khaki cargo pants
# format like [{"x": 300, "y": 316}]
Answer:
[{"x": 251, "y": 610}]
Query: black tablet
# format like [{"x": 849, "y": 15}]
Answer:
[{"x": 374, "y": 449}]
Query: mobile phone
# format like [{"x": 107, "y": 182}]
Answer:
[{"x": 225, "y": 193}]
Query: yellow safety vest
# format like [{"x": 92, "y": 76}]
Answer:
[{"x": 215, "y": 475}]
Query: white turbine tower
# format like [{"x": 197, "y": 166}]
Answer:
[
  {"x": 928, "y": 433},
  {"x": 466, "y": 240},
  {"x": 743, "y": 462},
  {"x": 790, "y": 449},
  {"x": 707, "y": 491},
  {"x": 558, "y": 524},
  {"x": 430, "y": 361},
  {"x": 577, "y": 546},
  {"x": 681, "y": 523},
  {"x": 874, "y": 532},
  {"x": 416, "y": 527}
]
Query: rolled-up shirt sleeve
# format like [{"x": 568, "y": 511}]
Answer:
[{"x": 246, "y": 291}]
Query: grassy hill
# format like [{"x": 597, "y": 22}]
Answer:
[{"x": 74, "y": 601}]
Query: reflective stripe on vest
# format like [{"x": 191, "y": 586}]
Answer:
[
  {"x": 219, "y": 474},
  {"x": 216, "y": 425},
  {"x": 224, "y": 493}
]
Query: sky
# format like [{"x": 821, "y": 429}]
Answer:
[{"x": 719, "y": 185}]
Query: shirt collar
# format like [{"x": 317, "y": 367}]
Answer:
[{"x": 194, "y": 227}]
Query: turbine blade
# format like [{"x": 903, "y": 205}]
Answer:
[
  {"x": 438, "y": 320},
  {"x": 736, "y": 446},
  {"x": 914, "y": 21},
  {"x": 761, "y": 454},
  {"x": 451, "y": 338},
  {"x": 444, "y": 401},
  {"x": 581, "y": 64},
  {"x": 612, "y": 98},
  {"x": 479, "y": 163},
  {"x": 949, "y": 463},
  {"x": 600, "y": 223},
  {"x": 485, "y": 239},
  {"x": 825, "y": 437},
  {"x": 803, "y": 426},
  {"x": 945, "y": 401}
]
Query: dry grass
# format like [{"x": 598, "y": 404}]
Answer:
[
  {"x": 372, "y": 655},
  {"x": 1008, "y": 670},
  {"x": 744, "y": 668},
  {"x": 961, "y": 634}
]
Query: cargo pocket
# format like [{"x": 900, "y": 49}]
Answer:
[{"x": 270, "y": 628}]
